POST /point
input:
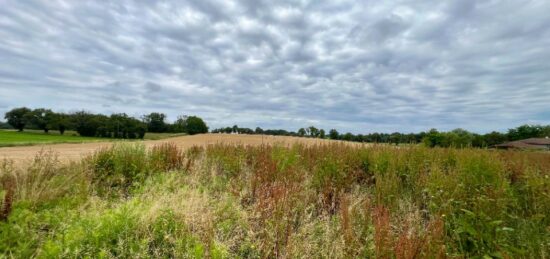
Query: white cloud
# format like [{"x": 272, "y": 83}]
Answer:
[{"x": 360, "y": 66}]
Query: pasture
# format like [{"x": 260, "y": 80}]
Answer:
[
  {"x": 14, "y": 138},
  {"x": 250, "y": 197}
]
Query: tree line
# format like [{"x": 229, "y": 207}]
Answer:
[
  {"x": 432, "y": 138},
  {"x": 118, "y": 125}
]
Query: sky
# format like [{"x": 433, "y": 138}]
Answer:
[{"x": 354, "y": 65}]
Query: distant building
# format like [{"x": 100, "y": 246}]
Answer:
[{"x": 530, "y": 143}]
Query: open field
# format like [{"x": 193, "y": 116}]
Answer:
[
  {"x": 26, "y": 138},
  {"x": 276, "y": 201},
  {"x": 11, "y": 138},
  {"x": 76, "y": 151}
]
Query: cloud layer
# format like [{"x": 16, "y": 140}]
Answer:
[{"x": 358, "y": 66}]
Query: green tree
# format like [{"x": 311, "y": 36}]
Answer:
[
  {"x": 179, "y": 125},
  {"x": 195, "y": 125},
  {"x": 313, "y": 132},
  {"x": 61, "y": 122},
  {"x": 494, "y": 138},
  {"x": 322, "y": 133},
  {"x": 41, "y": 118},
  {"x": 333, "y": 134},
  {"x": 87, "y": 124},
  {"x": 155, "y": 122},
  {"x": 461, "y": 138},
  {"x": 432, "y": 138},
  {"x": 301, "y": 132},
  {"x": 348, "y": 136},
  {"x": 525, "y": 131},
  {"x": 16, "y": 117}
]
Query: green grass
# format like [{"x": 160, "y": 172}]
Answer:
[
  {"x": 10, "y": 138},
  {"x": 332, "y": 201},
  {"x": 32, "y": 137},
  {"x": 157, "y": 136}
]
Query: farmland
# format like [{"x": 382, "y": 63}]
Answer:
[
  {"x": 225, "y": 196},
  {"x": 73, "y": 152},
  {"x": 14, "y": 138}
]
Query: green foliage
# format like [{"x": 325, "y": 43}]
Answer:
[
  {"x": 5, "y": 125},
  {"x": 118, "y": 167},
  {"x": 333, "y": 134},
  {"x": 86, "y": 124},
  {"x": 334, "y": 200},
  {"x": 195, "y": 125},
  {"x": 16, "y": 117},
  {"x": 42, "y": 119},
  {"x": 528, "y": 131},
  {"x": 155, "y": 122}
]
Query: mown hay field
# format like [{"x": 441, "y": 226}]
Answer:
[{"x": 277, "y": 201}]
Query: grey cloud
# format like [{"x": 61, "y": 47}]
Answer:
[{"x": 359, "y": 66}]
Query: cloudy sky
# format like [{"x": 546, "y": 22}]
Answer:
[{"x": 356, "y": 65}]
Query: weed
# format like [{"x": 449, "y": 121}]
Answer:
[{"x": 228, "y": 201}]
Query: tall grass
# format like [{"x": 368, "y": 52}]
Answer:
[{"x": 321, "y": 201}]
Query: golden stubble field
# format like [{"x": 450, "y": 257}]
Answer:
[{"x": 72, "y": 152}]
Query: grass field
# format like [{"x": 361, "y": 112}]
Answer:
[
  {"x": 302, "y": 201},
  {"x": 157, "y": 136},
  {"x": 10, "y": 138},
  {"x": 14, "y": 138}
]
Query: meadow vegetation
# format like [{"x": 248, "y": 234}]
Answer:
[
  {"x": 324, "y": 201},
  {"x": 86, "y": 124}
]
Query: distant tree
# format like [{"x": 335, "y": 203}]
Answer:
[
  {"x": 301, "y": 132},
  {"x": 395, "y": 138},
  {"x": 478, "y": 141},
  {"x": 87, "y": 124},
  {"x": 348, "y": 136},
  {"x": 180, "y": 124},
  {"x": 322, "y": 133},
  {"x": 333, "y": 134},
  {"x": 433, "y": 138},
  {"x": 313, "y": 132},
  {"x": 16, "y": 117},
  {"x": 235, "y": 129},
  {"x": 155, "y": 122},
  {"x": 460, "y": 138},
  {"x": 61, "y": 122},
  {"x": 195, "y": 125},
  {"x": 245, "y": 131},
  {"x": 494, "y": 138},
  {"x": 259, "y": 130},
  {"x": 545, "y": 132},
  {"x": 525, "y": 131},
  {"x": 5, "y": 125},
  {"x": 41, "y": 118}
]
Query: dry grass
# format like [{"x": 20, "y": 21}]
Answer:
[{"x": 276, "y": 201}]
